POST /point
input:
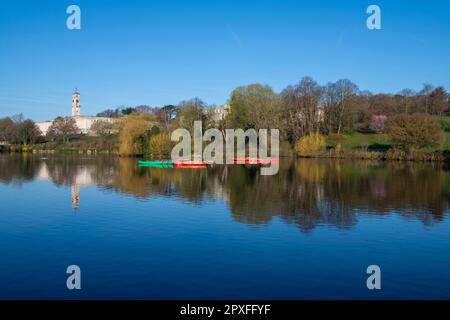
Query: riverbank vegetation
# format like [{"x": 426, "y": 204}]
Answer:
[{"x": 334, "y": 120}]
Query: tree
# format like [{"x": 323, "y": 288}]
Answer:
[
  {"x": 28, "y": 132},
  {"x": 134, "y": 133},
  {"x": 407, "y": 99},
  {"x": 6, "y": 130},
  {"x": 160, "y": 146},
  {"x": 302, "y": 114},
  {"x": 438, "y": 101},
  {"x": 63, "y": 128},
  {"x": 19, "y": 131},
  {"x": 17, "y": 118},
  {"x": 424, "y": 96},
  {"x": 109, "y": 113},
  {"x": 387, "y": 104},
  {"x": 448, "y": 104},
  {"x": 415, "y": 131},
  {"x": 378, "y": 123},
  {"x": 127, "y": 111},
  {"x": 102, "y": 128},
  {"x": 254, "y": 106},
  {"x": 339, "y": 113},
  {"x": 190, "y": 111},
  {"x": 144, "y": 109},
  {"x": 165, "y": 116}
]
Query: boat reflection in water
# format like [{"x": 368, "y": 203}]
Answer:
[
  {"x": 304, "y": 192},
  {"x": 223, "y": 232}
]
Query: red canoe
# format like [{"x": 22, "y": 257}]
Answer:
[
  {"x": 254, "y": 160},
  {"x": 189, "y": 164}
]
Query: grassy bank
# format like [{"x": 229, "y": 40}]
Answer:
[
  {"x": 81, "y": 144},
  {"x": 357, "y": 145},
  {"x": 353, "y": 145},
  {"x": 84, "y": 144},
  {"x": 357, "y": 141}
]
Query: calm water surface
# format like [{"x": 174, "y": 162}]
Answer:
[{"x": 225, "y": 232}]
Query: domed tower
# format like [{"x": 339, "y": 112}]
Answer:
[{"x": 76, "y": 108}]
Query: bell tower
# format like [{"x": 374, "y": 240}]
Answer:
[{"x": 76, "y": 104}]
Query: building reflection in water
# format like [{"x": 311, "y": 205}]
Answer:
[
  {"x": 306, "y": 193},
  {"x": 77, "y": 175},
  {"x": 75, "y": 189}
]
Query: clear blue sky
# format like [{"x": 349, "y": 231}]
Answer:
[{"x": 161, "y": 52}]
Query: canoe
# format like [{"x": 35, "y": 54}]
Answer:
[
  {"x": 172, "y": 164},
  {"x": 254, "y": 160},
  {"x": 189, "y": 164},
  {"x": 156, "y": 164}
]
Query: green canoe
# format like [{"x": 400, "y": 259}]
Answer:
[{"x": 156, "y": 164}]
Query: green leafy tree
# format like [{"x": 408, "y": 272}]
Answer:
[
  {"x": 190, "y": 111},
  {"x": 254, "y": 106}
]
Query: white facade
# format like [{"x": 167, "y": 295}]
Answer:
[
  {"x": 44, "y": 126},
  {"x": 84, "y": 123},
  {"x": 220, "y": 113}
]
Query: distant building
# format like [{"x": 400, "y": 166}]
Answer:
[
  {"x": 84, "y": 123},
  {"x": 219, "y": 113},
  {"x": 76, "y": 106}
]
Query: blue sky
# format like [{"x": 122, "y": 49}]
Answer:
[{"x": 161, "y": 52}]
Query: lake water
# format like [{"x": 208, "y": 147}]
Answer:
[{"x": 224, "y": 232}]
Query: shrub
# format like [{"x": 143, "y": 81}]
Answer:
[
  {"x": 160, "y": 146},
  {"x": 415, "y": 131},
  {"x": 27, "y": 149},
  {"x": 310, "y": 145}
]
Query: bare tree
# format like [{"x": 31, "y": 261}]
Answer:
[
  {"x": 165, "y": 116},
  {"x": 28, "y": 132},
  {"x": 407, "y": 97},
  {"x": 438, "y": 101},
  {"x": 63, "y": 128},
  {"x": 302, "y": 112},
  {"x": 338, "y": 101},
  {"x": 102, "y": 128},
  {"x": 425, "y": 96}
]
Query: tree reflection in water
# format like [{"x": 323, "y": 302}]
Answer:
[{"x": 304, "y": 192}]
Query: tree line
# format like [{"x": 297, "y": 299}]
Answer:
[
  {"x": 18, "y": 130},
  {"x": 299, "y": 111},
  {"x": 338, "y": 107}
]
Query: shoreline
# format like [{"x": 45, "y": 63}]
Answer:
[{"x": 390, "y": 155}]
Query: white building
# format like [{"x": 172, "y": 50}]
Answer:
[
  {"x": 219, "y": 113},
  {"x": 84, "y": 123}
]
